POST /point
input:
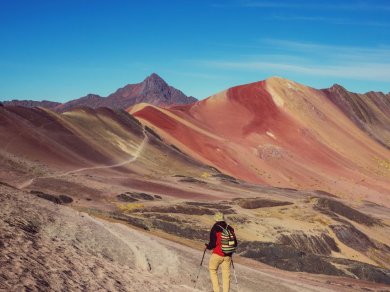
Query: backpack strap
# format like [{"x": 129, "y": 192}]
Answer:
[
  {"x": 224, "y": 229},
  {"x": 227, "y": 230}
]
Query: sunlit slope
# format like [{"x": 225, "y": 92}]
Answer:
[{"x": 277, "y": 132}]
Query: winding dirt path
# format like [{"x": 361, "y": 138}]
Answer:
[{"x": 132, "y": 159}]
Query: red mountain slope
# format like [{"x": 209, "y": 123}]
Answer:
[{"x": 277, "y": 132}]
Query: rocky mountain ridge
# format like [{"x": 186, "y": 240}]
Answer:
[{"x": 153, "y": 90}]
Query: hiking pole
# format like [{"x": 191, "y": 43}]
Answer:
[
  {"x": 235, "y": 276},
  {"x": 200, "y": 267}
]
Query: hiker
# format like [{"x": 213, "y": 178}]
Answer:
[{"x": 223, "y": 242}]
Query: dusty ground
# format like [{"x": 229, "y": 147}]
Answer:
[{"x": 46, "y": 246}]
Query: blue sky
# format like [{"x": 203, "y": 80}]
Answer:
[{"x": 64, "y": 49}]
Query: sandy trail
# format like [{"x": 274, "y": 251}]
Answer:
[{"x": 137, "y": 153}]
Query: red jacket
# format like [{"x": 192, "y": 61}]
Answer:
[{"x": 215, "y": 237}]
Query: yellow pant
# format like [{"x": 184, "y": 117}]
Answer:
[{"x": 224, "y": 262}]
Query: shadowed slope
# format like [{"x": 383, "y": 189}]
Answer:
[{"x": 370, "y": 111}]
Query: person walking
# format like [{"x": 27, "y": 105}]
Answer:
[{"x": 223, "y": 242}]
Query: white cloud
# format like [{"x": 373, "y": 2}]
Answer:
[
  {"x": 338, "y": 21},
  {"x": 195, "y": 74},
  {"x": 314, "y": 59},
  {"x": 381, "y": 53},
  {"x": 309, "y": 5},
  {"x": 359, "y": 71}
]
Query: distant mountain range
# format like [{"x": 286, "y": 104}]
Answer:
[
  {"x": 153, "y": 90},
  {"x": 32, "y": 103}
]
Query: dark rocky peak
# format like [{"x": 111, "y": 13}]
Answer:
[
  {"x": 340, "y": 89},
  {"x": 154, "y": 78},
  {"x": 376, "y": 93},
  {"x": 154, "y": 83},
  {"x": 337, "y": 88},
  {"x": 92, "y": 96},
  {"x": 90, "y": 100},
  {"x": 86, "y": 99}
]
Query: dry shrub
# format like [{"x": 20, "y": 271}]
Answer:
[{"x": 130, "y": 207}]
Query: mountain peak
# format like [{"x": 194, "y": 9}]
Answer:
[
  {"x": 277, "y": 78},
  {"x": 156, "y": 86},
  {"x": 153, "y": 89},
  {"x": 154, "y": 78},
  {"x": 337, "y": 88}
]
